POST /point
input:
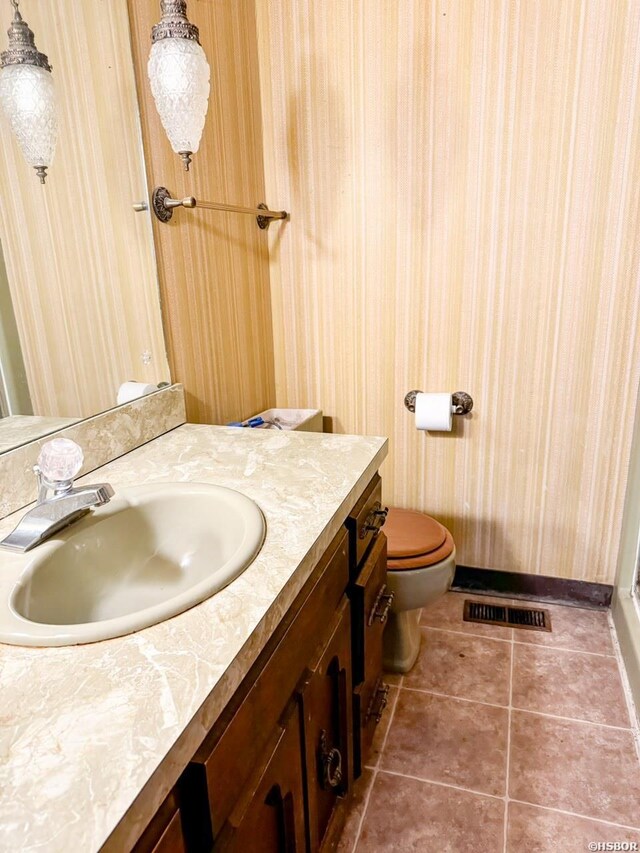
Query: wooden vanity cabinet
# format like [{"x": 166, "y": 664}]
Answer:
[
  {"x": 370, "y": 604},
  {"x": 165, "y": 833},
  {"x": 297, "y": 665},
  {"x": 278, "y": 766},
  {"x": 272, "y": 806}
]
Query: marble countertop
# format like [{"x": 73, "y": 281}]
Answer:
[
  {"x": 93, "y": 737},
  {"x": 19, "y": 429}
]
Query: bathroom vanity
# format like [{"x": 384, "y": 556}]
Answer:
[
  {"x": 284, "y": 753},
  {"x": 247, "y": 717}
]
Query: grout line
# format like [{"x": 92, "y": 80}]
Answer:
[
  {"x": 441, "y": 784},
  {"x": 528, "y": 643},
  {"x": 508, "y": 761},
  {"x": 365, "y": 806},
  {"x": 392, "y": 713},
  {"x": 511, "y": 707},
  {"x": 562, "y": 649},
  {"x": 507, "y": 800},
  {"x": 468, "y": 633},
  {"x": 459, "y": 698},
  {"x": 575, "y": 720},
  {"x": 375, "y": 770},
  {"x": 634, "y": 719},
  {"x": 393, "y": 684},
  {"x": 576, "y": 814}
]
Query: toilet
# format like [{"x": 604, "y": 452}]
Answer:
[{"x": 421, "y": 561}]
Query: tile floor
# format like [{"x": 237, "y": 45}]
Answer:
[{"x": 502, "y": 740}]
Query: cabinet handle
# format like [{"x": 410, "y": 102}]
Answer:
[
  {"x": 378, "y": 702},
  {"x": 331, "y": 761},
  {"x": 375, "y": 520},
  {"x": 381, "y": 606}
]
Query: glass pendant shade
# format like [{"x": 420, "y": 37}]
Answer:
[
  {"x": 179, "y": 77},
  {"x": 27, "y": 97}
]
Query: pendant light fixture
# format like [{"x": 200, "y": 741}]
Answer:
[
  {"x": 179, "y": 77},
  {"x": 27, "y": 95}
]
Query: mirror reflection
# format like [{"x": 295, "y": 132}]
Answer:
[{"x": 79, "y": 305}]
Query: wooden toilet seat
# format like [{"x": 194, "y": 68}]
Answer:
[{"x": 415, "y": 540}]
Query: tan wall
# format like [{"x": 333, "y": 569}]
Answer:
[
  {"x": 213, "y": 267},
  {"x": 80, "y": 262},
  {"x": 464, "y": 181}
]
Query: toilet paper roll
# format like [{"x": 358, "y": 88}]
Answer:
[
  {"x": 132, "y": 390},
  {"x": 433, "y": 412}
]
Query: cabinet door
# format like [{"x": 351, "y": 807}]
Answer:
[
  {"x": 164, "y": 834},
  {"x": 270, "y": 817},
  {"x": 327, "y": 726},
  {"x": 371, "y": 601}
]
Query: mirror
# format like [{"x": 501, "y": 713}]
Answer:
[{"x": 79, "y": 302}]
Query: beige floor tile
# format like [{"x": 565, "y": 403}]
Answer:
[
  {"x": 578, "y": 767},
  {"x": 448, "y": 740},
  {"x": 352, "y": 825},
  {"x": 536, "y": 830},
  {"x": 447, "y": 613},
  {"x": 462, "y": 665},
  {"x": 573, "y": 628},
  {"x": 408, "y": 815},
  {"x": 569, "y": 684}
]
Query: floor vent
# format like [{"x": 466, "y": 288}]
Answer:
[{"x": 510, "y": 617}]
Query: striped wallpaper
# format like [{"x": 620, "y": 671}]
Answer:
[
  {"x": 464, "y": 181},
  {"x": 213, "y": 267}
]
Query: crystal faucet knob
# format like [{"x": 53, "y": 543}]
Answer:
[{"x": 60, "y": 460}]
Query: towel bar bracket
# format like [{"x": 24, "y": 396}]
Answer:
[{"x": 163, "y": 204}]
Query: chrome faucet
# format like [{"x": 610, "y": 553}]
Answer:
[{"x": 59, "y": 503}]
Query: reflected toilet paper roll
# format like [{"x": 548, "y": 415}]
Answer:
[
  {"x": 132, "y": 390},
  {"x": 434, "y": 412}
]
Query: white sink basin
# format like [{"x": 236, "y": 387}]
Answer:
[{"x": 151, "y": 553}]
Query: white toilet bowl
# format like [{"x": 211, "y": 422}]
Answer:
[{"x": 421, "y": 562}]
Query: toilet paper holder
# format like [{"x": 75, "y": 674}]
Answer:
[{"x": 461, "y": 402}]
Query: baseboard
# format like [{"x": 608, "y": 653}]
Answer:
[
  {"x": 533, "y": 587},
  {"x": 627, "y": 622}
]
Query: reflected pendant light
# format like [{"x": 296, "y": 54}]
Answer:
[
  {"x": 27, "y": 95},
  {"x": 179, "y": 77}
]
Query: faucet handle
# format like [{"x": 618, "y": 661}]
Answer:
[{"x": 60, "y": 460}]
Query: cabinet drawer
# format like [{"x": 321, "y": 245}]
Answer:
[
  {"x": 223, "y": 764},
  {"x": 364, "y": 522},
  {"x": 370, "y": 606},
  {"x": 328, "y": 727},
  {"x": 271, "y": 813}
]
